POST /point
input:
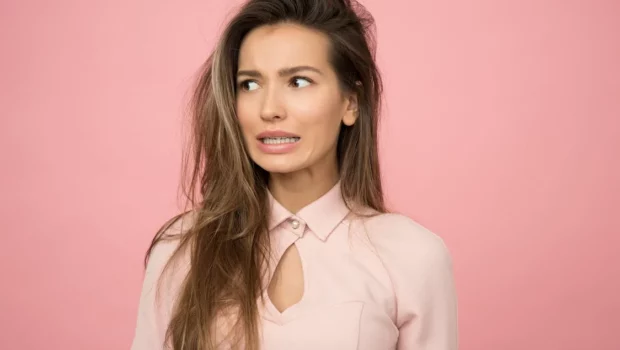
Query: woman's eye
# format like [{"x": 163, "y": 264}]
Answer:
[
  {"x": 300, "y": 82},
  {"x": 249, "y": 85}
]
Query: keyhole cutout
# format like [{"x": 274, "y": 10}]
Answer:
[{"x": 286, "y": 288}]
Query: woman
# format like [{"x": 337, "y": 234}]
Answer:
[{"x": 288, "y": 244}]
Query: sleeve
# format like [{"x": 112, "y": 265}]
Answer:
[
  {"x": 154, "y": 304},
  {"x": 432, "y": 325},
  {"x": 420, "y": 268},
  {"x": 161, "y": 284}
]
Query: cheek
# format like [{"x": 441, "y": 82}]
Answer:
[
  {"x": 244, "y": 116},
  {"x": 321, "y": 119}
]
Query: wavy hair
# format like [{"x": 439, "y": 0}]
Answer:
[{"x": 228, "y": 241}]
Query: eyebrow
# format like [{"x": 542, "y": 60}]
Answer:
[{"x": 282, "y": 72}]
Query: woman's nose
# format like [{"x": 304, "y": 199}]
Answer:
[{"x": 272, "y": 106}]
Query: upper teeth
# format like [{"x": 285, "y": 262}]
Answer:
[{"x": 278, "y": 140}]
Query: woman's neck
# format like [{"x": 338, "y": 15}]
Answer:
[{"x": 297, "y": 191}]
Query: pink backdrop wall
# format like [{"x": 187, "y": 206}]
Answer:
[{"x": 501, "y": 134}]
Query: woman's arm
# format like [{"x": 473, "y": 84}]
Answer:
[
  {"x": 420, "y": 268},
  {"x": 160, "y": 286},
  {"x": 433, "y": 326},
  {"x": 153, "y": 317}
]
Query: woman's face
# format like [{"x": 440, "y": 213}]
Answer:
[{"x": 289, "y": 102}]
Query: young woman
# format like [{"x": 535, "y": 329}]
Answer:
[{"x": 288, "y": 244}]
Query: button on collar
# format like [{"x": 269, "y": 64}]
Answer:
[{"x": 295, "y": 224}]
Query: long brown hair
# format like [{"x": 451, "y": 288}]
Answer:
[{"x": 227, "y": 191}]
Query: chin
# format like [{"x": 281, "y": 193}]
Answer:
[
  {"x": 279, "y": 169},
  {"x": 279, "y": 166}
]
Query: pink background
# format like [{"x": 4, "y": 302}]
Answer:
[{"x": 501, "y": 134}]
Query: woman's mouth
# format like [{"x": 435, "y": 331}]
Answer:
[
  {"x": 278, "y": 144},
  {"x": 279, "y": 140}
]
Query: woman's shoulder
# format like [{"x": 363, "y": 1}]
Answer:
[
  {"x": 400, "y": 229},
  {"x": 420, "y": 269},
  {"x": 162, "y": 281},
  {"x": 168, "y": 239},
  {"x": 406, "y": 245}
]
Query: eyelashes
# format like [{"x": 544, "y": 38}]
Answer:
[
  {"x": 244, "y": 85},
  {"x": 304, "y": 79},
  {"x": 295, "y": 82}
]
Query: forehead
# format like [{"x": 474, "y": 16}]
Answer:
[{"x": 272, "y": 47}]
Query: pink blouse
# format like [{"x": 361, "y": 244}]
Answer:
[{"x": 375, "y": 283}]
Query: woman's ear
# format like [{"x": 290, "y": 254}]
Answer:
[{"x": 352, "y": 111}]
